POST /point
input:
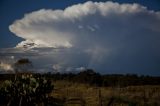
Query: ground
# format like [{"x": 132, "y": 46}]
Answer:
[{"x": 75, "y": 94}]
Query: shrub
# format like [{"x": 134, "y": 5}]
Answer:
[{"x": 25, "y": 90}]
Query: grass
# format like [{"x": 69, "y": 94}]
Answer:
[
  {"x": 106, "y": 96},
  {"x": 67, "y": 93}
]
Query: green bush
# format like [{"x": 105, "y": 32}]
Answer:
[{"x": 25, "y": 90}]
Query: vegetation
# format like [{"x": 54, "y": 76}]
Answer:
[
  {"x": 78, "y": 93},
  {"x": 25, "y": 90},
  {"x": 83, "y": 89},
  {"x": 86, "y": 88},
  {"x": 114, "y": 80}
]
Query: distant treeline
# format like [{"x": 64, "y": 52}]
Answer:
[
  {"x": 88, "y": 76},
  {"x": 119, "y": 80}
]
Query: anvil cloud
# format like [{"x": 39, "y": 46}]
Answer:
[{"x": 120, "y": 38}]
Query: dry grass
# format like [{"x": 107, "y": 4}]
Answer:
[{"x": 105, "y": 96}]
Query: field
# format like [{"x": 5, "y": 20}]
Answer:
[
  {"x": 75, "y": 94},
  {"x": 44, "y": 89}
]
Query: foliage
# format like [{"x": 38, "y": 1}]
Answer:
[
  {"x": 22, "y": 65},
  {"x": 114, "y": 80},
  {"x": 23, "y": 61},
  {"x": 25, "y": 90}
]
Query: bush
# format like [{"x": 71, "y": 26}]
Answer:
[{"x": 25, "y": 90}]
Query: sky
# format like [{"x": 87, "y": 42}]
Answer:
[
  {"x": 117, "y": 36},
  {"x": 11, "y": 10}
]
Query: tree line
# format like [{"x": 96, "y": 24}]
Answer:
[
  {"x": 88, "y": 76},
  {"x": 91, "y": 77}
]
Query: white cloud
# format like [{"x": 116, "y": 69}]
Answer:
[
  {"x": 109, "y": 36},
  {"x": 5, "y": 66}
]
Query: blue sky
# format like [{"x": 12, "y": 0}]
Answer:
[{"x": 12, "y": 10}]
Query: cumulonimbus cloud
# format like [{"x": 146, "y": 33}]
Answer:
[{"x": 116, "y": 36}]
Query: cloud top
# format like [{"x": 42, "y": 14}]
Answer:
[
  {"x": 111, "y": 36},
  {"x": 61, "y": 28}
]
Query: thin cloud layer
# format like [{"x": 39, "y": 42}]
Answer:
[{"x": 121, "y": 38}]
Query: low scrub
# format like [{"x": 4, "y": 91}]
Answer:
[{"x": 25, "y": 90}]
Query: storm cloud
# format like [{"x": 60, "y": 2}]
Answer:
[{"x": 106, "y": 36}]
